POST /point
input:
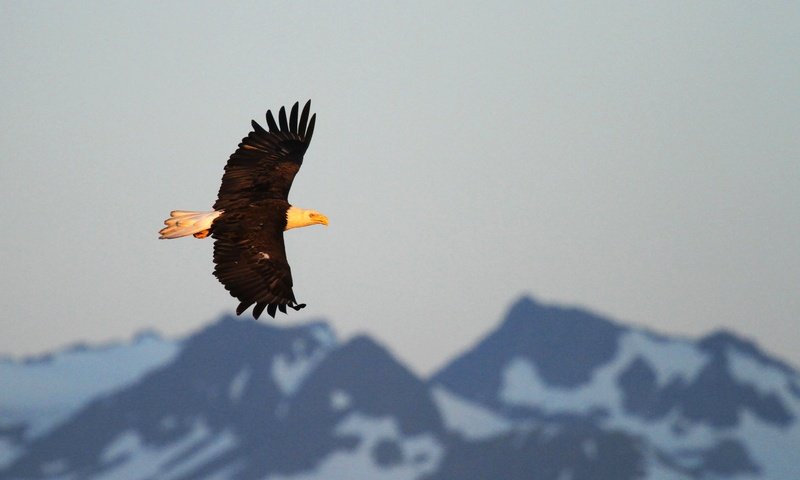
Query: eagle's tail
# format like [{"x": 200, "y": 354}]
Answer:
[{"x": 182, "y": 223}]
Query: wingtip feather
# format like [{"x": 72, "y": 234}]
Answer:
[
  {"x": 301, "y": 129},
  {"x": 310, "y": 130},
  {"x": 293, "y": 118},
  {"x": 258, "y": 309},
  {"x": 258, "y": 128},
  {"x": 273, "y": 127},
  {"x": 282, "y": 120}
]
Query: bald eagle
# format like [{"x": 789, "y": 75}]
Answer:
[{"x": 252, "y": 212}]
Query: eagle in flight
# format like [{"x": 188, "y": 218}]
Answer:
[{"x": 252, "y": 212}]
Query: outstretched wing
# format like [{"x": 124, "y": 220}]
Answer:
[
  {"x": 250, "y": 261},
  {"x": 264, "y": 165}
]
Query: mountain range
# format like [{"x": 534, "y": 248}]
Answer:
[{"x": 552, "y": 392}]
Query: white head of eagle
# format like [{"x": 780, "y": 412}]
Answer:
[{"x": 252, "y": 212}]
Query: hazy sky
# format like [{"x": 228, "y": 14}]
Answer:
[{"x": 641, "y": 159}]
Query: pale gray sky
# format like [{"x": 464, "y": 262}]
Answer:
[{"x": 641, "y": 159}]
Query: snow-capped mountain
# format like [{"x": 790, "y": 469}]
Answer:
[
  {"x": 717, "y": 407},
  {"x": 37, "y": 393},
  {"x": 223, "y": 395},
  {"x": 552, "y": 393},
  {"x": 246, "y": 400}
]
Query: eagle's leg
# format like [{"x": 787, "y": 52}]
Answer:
[{"x": 202, "y": 233}]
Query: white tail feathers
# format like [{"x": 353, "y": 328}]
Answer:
[{"x": 182, "y": 223}]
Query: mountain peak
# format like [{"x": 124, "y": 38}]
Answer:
[
  {"x": 523, "y": 306},
  {"x": 538, "y": 335},
  {"x": 719, "y": 341},
  {"x": 373, "y": 381},
  {"x": 528, "y": 314}
]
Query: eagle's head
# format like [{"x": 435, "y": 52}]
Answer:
[{"x": 301, "y": 217}]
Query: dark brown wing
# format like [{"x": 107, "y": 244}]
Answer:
[
  {"x": 250, "y": 258},
  {"x": 264, "y": 165}
]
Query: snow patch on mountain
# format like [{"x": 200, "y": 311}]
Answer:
[
  {"x": 472, "y": 421},
  {"x": 324, "y": 335},
  {"x": 239, "y": 383},
  {"x": 658, "y": 471},
  {"x": 775, "y": 449},
  {"x": 766, "y": 379},
  {"x": 521, "y": 384},
  {"x": 382, "y": 453},
  {"x": 671, "y": 433},
  {"x": 340, "y": 400},
  {"x": 676, "y": 358},
  {"x": 289, "y": 370},
  {"x": 47, "y": 391},
  {"x": 135, "y": 459}
]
